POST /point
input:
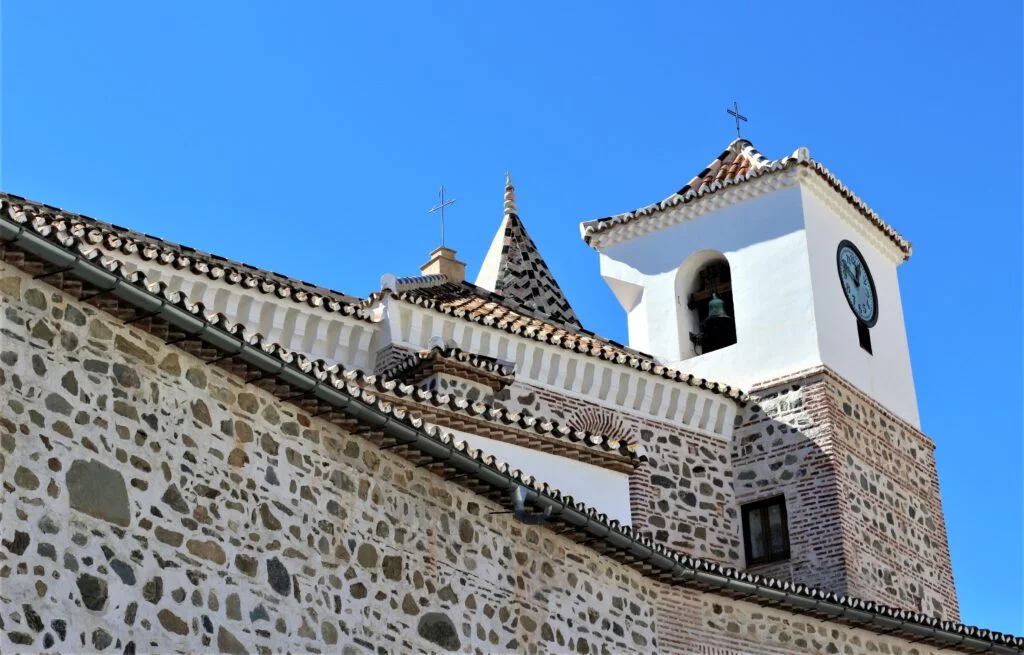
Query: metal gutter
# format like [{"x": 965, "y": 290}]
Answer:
[{"x": 375, "y": 418}]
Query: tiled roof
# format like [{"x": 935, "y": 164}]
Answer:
[
  {"x": 463, "y": 300},
  {"x": 357, "y": 382},
  {"x": 514, "y": 269},
  {"x": 115, "y": 239},
  {"x": 619, "y": 539},
  {"x": 419, "y": 365},
  {"x": 63, "y": 232},
  {"x": 470, "y": 302},
  {"x": 739, "y": 163}
]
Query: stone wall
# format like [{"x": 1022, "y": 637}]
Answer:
[
  {"x": 861, "y": 489},
  {"x": 460, "y": 388},
  {"x": 785, "y": 447},
  {"x": 154, "y": 503},
  {"x": 689, "y": 621},
  {"x": 893, "y": 524}
]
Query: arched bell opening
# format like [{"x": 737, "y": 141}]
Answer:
[{"x": 705, "y": 299}]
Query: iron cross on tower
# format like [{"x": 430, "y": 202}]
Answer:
[
  {"x": 735, "y": 113},
  {"x": 440, "y": 207}
]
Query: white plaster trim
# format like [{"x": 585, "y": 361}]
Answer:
[
  {"x": 301, "y": 327},
  {"x": 554, "y": 363},
  {"x": 841, "y": 206},
  {"x": 655, "y": 217},
  {"x": 660, "y": 218}
]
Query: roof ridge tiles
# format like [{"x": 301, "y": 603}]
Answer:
[
  {"x": 335, "y": 373},
  {"x": 488, "y": 365},
  {"x": 750, "y": 165}
]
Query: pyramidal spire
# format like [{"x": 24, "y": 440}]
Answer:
[{"x": 513, "y": 268}]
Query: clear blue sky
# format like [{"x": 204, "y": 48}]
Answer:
[{"x": 312, "y": 139}]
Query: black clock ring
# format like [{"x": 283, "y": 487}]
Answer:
[{"x": 846, "y": 244}]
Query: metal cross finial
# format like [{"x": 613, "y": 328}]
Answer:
[
  {"x": 439, "y": 207},
  {"x": 735, "y": 113}
]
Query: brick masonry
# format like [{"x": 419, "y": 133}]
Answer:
[
  {"x": 861, "y": 489},
  {"x": 154, "y": 503}
]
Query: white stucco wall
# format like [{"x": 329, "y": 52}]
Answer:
[
  {"x": 885, "y": 374},
  {"x": 563, "y": 371},
  {"x": 764, "y": 242},
  {"x": 332, "y": 336},
  {"x": 604, "y": 490}
]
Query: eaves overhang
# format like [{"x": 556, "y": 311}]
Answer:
[{"x": 769, "y": 175}]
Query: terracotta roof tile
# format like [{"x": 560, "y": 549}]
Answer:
[{"x": 491, "y": 371}]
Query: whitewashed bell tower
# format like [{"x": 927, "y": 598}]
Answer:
[{"x": 766, "y": 235}]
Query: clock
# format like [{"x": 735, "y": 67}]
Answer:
[{"x": 858, "y": 285}]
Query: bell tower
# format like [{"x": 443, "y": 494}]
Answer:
[
  {"x": 763, "y": 236},
  {"x": 772, "y": 276}
]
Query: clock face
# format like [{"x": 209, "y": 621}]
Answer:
[{"x": 858, "y": 286}]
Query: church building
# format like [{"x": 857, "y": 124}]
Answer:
[{"x": 198, "y": 455}]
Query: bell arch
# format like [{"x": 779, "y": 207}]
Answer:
[{"x": 704, "y": 304}]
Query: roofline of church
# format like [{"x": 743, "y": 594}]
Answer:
[
  {"x": 180, "y": 257},
  {"x": 598, "y": 233},
  {"x": 296, "y": 373}
]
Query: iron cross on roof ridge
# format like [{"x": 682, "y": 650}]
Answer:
[
  {"x": 440, "y": 207},
  {"x": 735, "y": 113}
]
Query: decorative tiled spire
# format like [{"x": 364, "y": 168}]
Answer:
[{"x": 514, "y": 269}]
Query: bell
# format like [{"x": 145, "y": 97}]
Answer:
[
  {"x": 716, "y": 308},
  {"x": 719, "y": 329}
]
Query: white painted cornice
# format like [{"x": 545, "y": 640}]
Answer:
[{"x": 722, "y": 196}]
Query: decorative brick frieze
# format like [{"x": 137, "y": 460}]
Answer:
[{"x": 624, "y": 385}]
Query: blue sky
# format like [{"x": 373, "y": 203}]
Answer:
[{"x": 311, "y": 139}]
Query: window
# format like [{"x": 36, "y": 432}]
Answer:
[
  {"x": 765, "y": 534},
  {"x": 865, "y": 336}
]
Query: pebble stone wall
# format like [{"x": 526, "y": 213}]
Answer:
[{"x": 152, "y": 503}]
